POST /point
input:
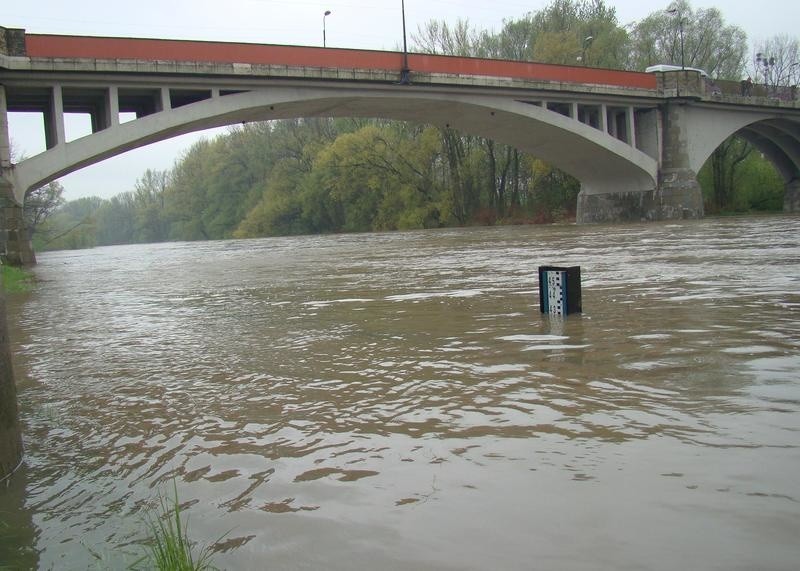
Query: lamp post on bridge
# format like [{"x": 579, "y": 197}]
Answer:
[
  {"x": 676, "y": 11},
  {"x": 324, "y": 39},
  {"x": 765, "y": 64},
  {"x": 587, "y": 41},
  {"x": 777, "y": 75},
  {"x": 405, "y": 78}
]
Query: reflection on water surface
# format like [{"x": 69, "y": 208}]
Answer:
[{"x": 396, "y": 401}]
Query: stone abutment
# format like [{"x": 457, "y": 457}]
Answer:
[
  {"x": 10, "y": 436},
  {"x": 15, "y": 244},
  {"x": 791, "y": 197}
]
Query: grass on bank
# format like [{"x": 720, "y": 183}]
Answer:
[
  {"x": 16, "y": 280},
  {"x": 168, "y": 545}
]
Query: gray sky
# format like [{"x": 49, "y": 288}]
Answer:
[{"x": 372, "y": 24}]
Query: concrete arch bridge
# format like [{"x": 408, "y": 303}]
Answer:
[{"x": 635, "y": 141}]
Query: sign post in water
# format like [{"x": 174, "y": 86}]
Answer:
[{"x": 560, "y": 290}]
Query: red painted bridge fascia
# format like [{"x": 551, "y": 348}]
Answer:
[{"x": 91, "y": 47}]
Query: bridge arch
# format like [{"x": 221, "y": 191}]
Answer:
[
  {"x": 774, "y": 134},
  {"x": 777, "y": 136},
  {"x": 779, "y": 140},
  {"x": 600, "y": 161}
]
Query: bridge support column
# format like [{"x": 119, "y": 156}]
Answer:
[
  {"x": 15, "y": 244},
  {"x": 678, "y": 197},
  {"x": 791, "y": 198}
]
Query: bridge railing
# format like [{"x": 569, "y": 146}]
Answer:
[
  {"x": 747, "y": 90},
  {"x": 691, "y": 84}
]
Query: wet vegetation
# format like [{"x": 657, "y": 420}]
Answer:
[
  {"x": 168, "y": 545},
  {"x": 16, "y": 279}
]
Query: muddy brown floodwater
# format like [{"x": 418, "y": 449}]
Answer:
[{"x": 396, "y": 401}]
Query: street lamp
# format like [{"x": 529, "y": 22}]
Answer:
[
  {"x": 587, "y": 41},
  {"x": 324, "y": 39},
  {"x": 765, "y": 63},
  {"x": 405, "y": 78},
  {"x": 675, "y": 11}
]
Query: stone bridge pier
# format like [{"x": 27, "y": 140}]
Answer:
[
  {"x": 791, "y": 199},
  {"x": 676, "y": 195},
  {"x": 15, "y": 244}
]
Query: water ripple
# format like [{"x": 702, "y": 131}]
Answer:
[{"x": 369, "y": 393}]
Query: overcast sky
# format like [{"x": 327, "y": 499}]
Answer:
[{"x": 372, "y": 24}]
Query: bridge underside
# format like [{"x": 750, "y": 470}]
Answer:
[
  {"x": 779, "y": 141},
  {"x": 774, "y": 133},
  {"x": 691, "y": 134},
  {"x": 602, "y": 162}
]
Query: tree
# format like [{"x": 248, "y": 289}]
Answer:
[
  {"x": 280, "y": 211},
  {"x": 708, "y": 42},
  {"x": 115, "y": 220},
  {"x": 149, "y": 196},
  {"x": 776, "y": 62},
  {"x": 71, "y": 226},
  {"x": 40, "y": 204},
  {"x": 725, "y": 161},
  {"x": 438, "y": 37},
  {"x": 185, "y": 199},
  {"x": 737, "y": 178},
  {"x": 514, "y": 41},
  {"x": 285, "y": 200}
]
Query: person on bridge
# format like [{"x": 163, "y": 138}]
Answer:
[{"x": 747, "y": 86}]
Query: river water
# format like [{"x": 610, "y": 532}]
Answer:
[{"x": 396, "y": 401}]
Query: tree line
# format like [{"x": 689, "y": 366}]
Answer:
[{"x": 348, "y": 175}]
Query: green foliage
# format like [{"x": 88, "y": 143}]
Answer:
[
  {"x": 439, "y": 37},
  {"x": 41, "y": 203},
  {"x": 169, "y": 547},
  {"x": 783, "y": 53},
  {"x": 70, "y": 227},
  {"x": 739, "y": 179},
  {"x": 708, "y": 43},
  {"x": 16, "y": 280},
  {"x": 584, "y": 32}
]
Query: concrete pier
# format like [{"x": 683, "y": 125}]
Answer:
[
  {"x": 15, "y": 244},
  {"x": 791, "y": 198},
  {"x": 678, "y": 198}
]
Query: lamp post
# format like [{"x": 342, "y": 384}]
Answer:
[
  {"x": 324, "y": 39},
  {"x": 587, "y": 41},
  {"x": 675, "y": 11},
  {"x": 764, "y": 64},
  {"x": 405, "y": 79}
]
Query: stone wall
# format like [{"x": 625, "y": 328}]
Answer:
[
  {"x": 10, "y": 436},
  {"x": 12, "y": 41},
  {"x": 682, "y": 84},
  {"x": 675, "y": 200},
  {"x": 15, "y": 243},
  {"x": 791, "y": 198}
]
